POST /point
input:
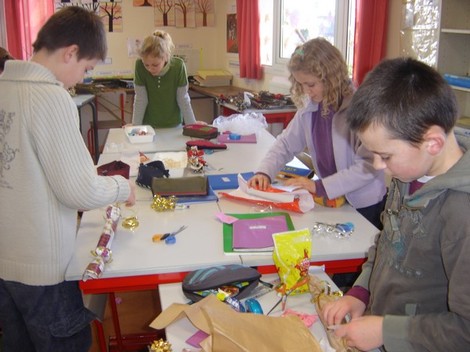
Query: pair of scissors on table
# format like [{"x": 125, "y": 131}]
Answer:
[
  {"x": 168, "y": 237},
  {"x": 285, "y": 293}
]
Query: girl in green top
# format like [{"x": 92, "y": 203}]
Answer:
[{"x": 161, "y": 85}]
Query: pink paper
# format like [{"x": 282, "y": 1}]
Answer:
[
  {"x": 197, "y": 338},
  {"x": 226, "y": 219}
]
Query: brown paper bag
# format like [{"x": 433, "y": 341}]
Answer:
[
  {"x": 232, "y": 331},
  {"x": 321, "y": 295}
]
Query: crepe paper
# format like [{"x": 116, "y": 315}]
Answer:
[
  {"x": 307, "y": 319},
  {"x": 196, "y": 339},
  {"x": 225, "y": 218},
  {"x": 299, "y": 200}
]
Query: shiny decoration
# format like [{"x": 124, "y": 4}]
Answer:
[
  {"x": 130, "y": 223},
  {"x": 163, "y": 203},
  {"x": 160, "y": 346},
  {"x": 102, "y": 251}
]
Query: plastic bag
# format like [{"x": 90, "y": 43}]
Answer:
[
  {"x": 242, "y": 124},
  {"x": 291, "y": 256}
]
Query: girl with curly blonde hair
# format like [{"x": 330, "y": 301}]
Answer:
[
  {"x": 322, "y": 90},
  {"x": 321, "y": 59}
]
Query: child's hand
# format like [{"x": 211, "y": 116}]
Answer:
[
  {"x": 131, "y": 200},
  {"x": 301, "y": 182},
  {"x": 335, "y": 312},
  {"x": 364, "y": 333},
  {"x": 201, "y": 123},
  {"x": 259, "y": 182}
]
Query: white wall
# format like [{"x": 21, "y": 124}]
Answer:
[
  {"x": 138, "y": 22},
  {"x": 206, "y": 46}
]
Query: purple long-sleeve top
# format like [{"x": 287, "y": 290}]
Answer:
[{"x": 355, "y": 177}]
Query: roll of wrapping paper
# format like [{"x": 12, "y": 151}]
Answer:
[{"x": 102, "y": 253}]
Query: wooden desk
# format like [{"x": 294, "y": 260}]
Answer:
[
  {"x": 282, "y": 115},
  {"x": 215, "y": 93},
  {"x": 82, "y": 100}
]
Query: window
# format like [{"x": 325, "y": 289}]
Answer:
[{"x": 286, "y": 24}]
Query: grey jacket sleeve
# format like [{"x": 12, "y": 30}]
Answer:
[
  {"x": 184, "y": 103},
  {"x": 140, "y": 104}
]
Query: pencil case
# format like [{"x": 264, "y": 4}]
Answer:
[
  {"x": 181, "y": 186},
  {"x": 116, "y": 167},
  {"x": 200, "y": 131},
  {"x": 147, "y": 172},
  {"x": 235, "y": 279}
]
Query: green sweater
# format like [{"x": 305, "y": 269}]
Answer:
[{"x": 166, "y": 95}]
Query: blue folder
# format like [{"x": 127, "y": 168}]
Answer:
[
  {"x": 210, "y": 197},
  {"x": 227, "y": 181}
]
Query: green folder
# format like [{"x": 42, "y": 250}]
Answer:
[{"x": 228, "y": 231}]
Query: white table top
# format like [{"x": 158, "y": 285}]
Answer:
[
  {"x": 134, "y": 253},
  {"x": 82, "y": 99},
  {"x": 238, "y": 157},
  {"x": 165, "y": 139},
  {"x": 178, "y": 332},
  {"x": 200, "y": 245}
]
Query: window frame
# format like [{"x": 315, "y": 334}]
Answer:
[{"x": 343, "y": 29}]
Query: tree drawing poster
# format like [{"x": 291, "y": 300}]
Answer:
[{"x": 232, "y": 42}]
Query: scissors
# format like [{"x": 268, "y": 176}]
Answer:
[
  {"x": 165, "y": 236},
  {"x": 285, "y": 294}
]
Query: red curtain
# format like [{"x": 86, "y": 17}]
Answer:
[
  {"x": 370, "y": 36},
  {"x": 248, "y": 39},
  {"x": 24, "y": 18}
]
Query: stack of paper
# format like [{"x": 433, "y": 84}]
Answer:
[{"x": 213, "y": 78}]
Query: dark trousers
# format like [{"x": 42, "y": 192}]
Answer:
[{"x": 44, "y": 318}]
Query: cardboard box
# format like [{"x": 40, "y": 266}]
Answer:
[{"x": 213, "y": 78}]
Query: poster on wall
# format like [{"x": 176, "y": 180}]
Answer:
[
  {"x": 111, "y": 13},
  {"x": 164, "y": 13},
  {"x": 138, "y": 3},
  {"x": 91, "y": 5},
  {"x": 185, "y": 13},
  {"x": 133, "y": 46},
  {"x": 205, "y": 13},
  {"x": 232, "y": 42}
]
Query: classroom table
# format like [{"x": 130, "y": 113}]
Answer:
[
  {"x": 165, "y": 139},
  {"x": 178, "y": 332},
  {"x": 140, "y": 264},
  {"x": 221, "y": 108}
]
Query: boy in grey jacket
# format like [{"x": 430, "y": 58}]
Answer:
[{"x": 413, "y": 292}]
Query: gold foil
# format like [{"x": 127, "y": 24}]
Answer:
[
  {"x": 163, "y": 203},
  {"x": 160, "y": 346},
  {"x": 130, "y": 223}
]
